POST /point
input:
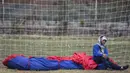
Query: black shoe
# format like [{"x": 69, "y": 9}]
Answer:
[{"x": 125, "y": 67}]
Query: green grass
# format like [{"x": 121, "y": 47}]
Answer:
[
  {"x": 45, "y": 45},
  {"x": 35, "y": 45}
]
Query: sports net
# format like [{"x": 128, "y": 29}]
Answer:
[{"x": 62, "y": 27}]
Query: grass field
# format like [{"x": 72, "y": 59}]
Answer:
[
  {"x": 35, "y": 45},
  {"x": 63, "y": 71}
]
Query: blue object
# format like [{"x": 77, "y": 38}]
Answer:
[
  {"x": 68, "y": 64},
  {"x": 97, "y": 51},
  {"x": 41, "y": 63},
  {"x": 19, "y": 62}
]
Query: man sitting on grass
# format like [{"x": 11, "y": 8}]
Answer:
[{"x": 100, "y": 56}]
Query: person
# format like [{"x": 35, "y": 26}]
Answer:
[{"x": 101, "y": 56}]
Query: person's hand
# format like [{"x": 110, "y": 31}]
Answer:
[{"x": 104, "y": 55}]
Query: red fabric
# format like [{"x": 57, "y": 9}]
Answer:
[
  {"x": 5, "y": 61},
  {"x": 80, "y": 58},
  {"x": 59, "y": 58},
  {"x": 85, "y": 60}
]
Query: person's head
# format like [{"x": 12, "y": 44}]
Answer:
[{"x": 102, "y": 39}]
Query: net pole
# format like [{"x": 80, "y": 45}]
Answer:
[
  {"x": 3, "y": 10},
  {"x": 95, "y": 10}
]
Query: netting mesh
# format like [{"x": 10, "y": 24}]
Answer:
[{"x": 61, "y": 27}]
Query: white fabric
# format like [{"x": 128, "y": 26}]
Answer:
[
  {"x": 100, "y": 39},
  {"x": 102, "y": 47},
  {"x": 104, "y": 38},
  {"x": 99, "y": 42}
]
